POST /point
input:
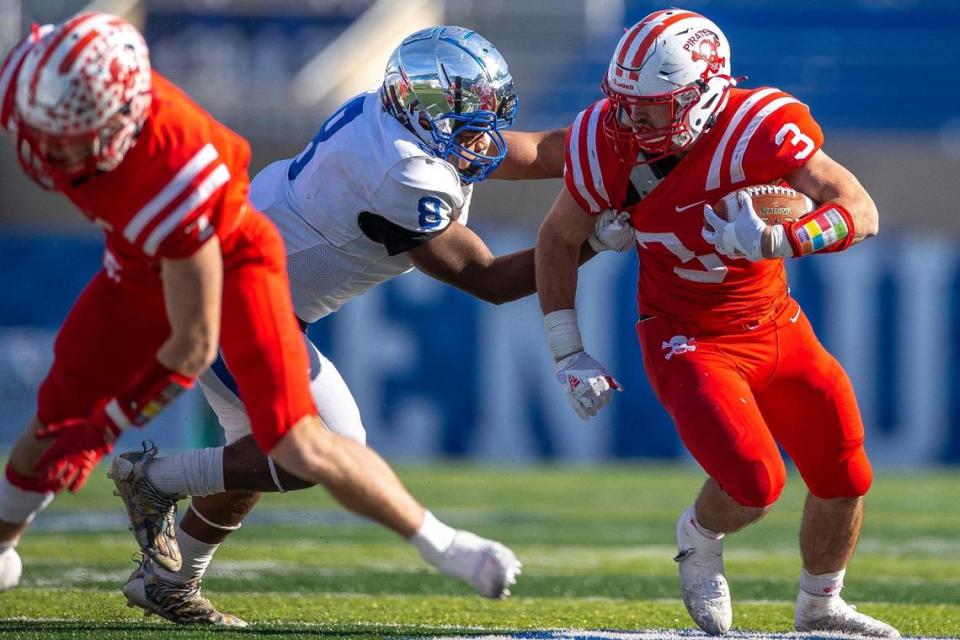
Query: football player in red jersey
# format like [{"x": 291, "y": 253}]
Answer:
[
  {"x": 189, "y": 265},
  {"x": 730, "y": 355}
]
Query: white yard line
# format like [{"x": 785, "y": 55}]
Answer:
[
  {"x": 556, "y": 634},
  {"x": 656, "y": 634}
]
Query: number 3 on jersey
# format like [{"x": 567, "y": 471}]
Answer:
[
  {"x": 714, "y": 270},
  {"x": 797, "y": 139},
  {"x": 342, "y": 117}
]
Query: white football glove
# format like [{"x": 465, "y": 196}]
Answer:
[
  {"x": 586, "y": 382},
  {"x": 612, "y": 232},
  {"x": 742, "y": 236}
]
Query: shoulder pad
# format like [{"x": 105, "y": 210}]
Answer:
[
  {"x": 419, "y": 193},
  {"x": 771, "y": 135},
  {"x": 785, "y": 142},
  {"x": 590, "y": 164}
]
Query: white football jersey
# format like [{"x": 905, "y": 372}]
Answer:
[{"x": 363, "y": 193}]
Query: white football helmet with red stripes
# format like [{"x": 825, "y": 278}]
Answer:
[
  {"x": 666, "y": 82},
  {"x": 83, "y": 94}
]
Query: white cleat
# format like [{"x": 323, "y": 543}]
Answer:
[
  {"x": 180, "y": 603},
  {"x": 10, "y": 569},
  {"x": 486, "y": 565},
  {"x": 703, "y": 586},
  {"x": 831, "y": 613}
]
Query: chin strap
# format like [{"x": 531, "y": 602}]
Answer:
[{"x": 827, "y": 229}]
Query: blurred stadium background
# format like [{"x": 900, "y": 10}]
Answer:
[{"x": 880, "y": 76}]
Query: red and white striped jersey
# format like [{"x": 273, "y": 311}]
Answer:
[
  {"x": 185, "y": 178},
  {"x": 761, "y": 136}
]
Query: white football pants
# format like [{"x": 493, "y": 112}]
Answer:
[{"x": 335, "y": 403}]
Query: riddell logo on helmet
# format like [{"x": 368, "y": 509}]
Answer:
[{"x": 704, "y": 46}]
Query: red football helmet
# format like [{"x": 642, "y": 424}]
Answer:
[
  {"x": 83, "y": 94},
  {"x": 667, "y": 80}
]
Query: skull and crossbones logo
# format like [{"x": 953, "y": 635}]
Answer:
[
  {"x": 678, "y": 345},
  {"x": 707, "y": 51}
]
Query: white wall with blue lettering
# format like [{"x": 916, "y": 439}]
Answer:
[{"x": 437, "y": 373}]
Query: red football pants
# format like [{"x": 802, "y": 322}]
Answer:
[
  {"x": 735, "y": 395},
  {"x": 115, "y": 327}
]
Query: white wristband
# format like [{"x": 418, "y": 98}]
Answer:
[
  {"x": 779, "y": 245},
  {"x": 563, "y": 333},
  {"x": 115, "y": 413}
]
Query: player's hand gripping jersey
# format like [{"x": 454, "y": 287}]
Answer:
[
  {"x": 761, "y": 136},
  {"x": 361, "y": 194}
]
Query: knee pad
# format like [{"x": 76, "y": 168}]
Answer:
[
  {"x": 848, "y": 477},
  {"x": 754, "y": 483}
]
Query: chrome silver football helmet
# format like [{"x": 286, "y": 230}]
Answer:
[{"x": 449, "y": 85}]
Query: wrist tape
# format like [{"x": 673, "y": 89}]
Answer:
[{"x": 563, "y": 333}]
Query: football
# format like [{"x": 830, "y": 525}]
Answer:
[{"x": 774, "y": 204}]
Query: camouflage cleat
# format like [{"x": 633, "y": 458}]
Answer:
[
  {"x": 180, "y": 603},
  {"x": 152, "y": 512}
]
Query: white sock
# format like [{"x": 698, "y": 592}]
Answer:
[
  {"x": 824, "y": 585},
  {"x": 19, "y": 505},
  {"x": 196, "y": 558},
  {"x": 433, "y": 538},
  {"x": 192, "y": 473}
]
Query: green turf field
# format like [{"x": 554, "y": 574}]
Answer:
[{"x": 596, "y": 545}]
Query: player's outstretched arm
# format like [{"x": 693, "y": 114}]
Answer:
[
  {"x": 532, "y": 155},
  {"x": 824, "y": 180},
  {"x": 459, "y": 257}
]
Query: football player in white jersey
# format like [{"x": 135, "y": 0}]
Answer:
[{"x": 384, "y": 186}]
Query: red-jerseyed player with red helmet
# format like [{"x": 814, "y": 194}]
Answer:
[
  {"x": 730, "y": 355},
  {"x": 189, "y": 265}
]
